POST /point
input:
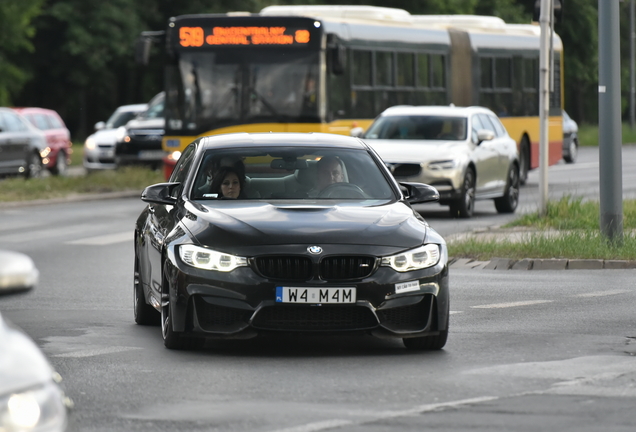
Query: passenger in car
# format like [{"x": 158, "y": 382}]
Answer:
[{"x": 229, "y": 183}]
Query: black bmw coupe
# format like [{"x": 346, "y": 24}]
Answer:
[{"x": 288, "y": 232}]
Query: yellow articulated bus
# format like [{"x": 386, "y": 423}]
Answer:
[{"x": 335, "y": 68}]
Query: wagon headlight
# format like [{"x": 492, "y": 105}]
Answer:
[
  {"x": 414, "y": 259},
  {"x": 209, "y": 259},
  {"x": 442, "y": 165},
  {"x": 90, "y": 143},
  {"x": 38, "y": 409}
]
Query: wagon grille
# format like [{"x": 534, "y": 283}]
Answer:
[{"x": 314, "y": 318}]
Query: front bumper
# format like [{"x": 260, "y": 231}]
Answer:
[{"x": 241, "y": 304}]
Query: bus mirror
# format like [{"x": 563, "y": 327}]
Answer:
[
  {"x": 338, "y": 59},
  {"x": 142, "y": 50},
  {"x": 143, "y": 45}
]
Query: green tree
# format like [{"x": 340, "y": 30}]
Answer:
[{"x": 16, "y": 31}]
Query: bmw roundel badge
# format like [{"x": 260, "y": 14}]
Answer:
[{"x": 314, "y": 250}]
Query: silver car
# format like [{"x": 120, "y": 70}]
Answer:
[
  {"x": 464, "y": 152},
  {"x": 99, "y": 148}
]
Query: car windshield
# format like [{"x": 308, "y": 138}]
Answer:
[
  {"x": 418, "y": 127},
  {"x": 291, "y": 174},
  {"x": 120, "y": 118}
]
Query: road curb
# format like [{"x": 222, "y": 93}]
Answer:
[{"x": 540, "y": 264}]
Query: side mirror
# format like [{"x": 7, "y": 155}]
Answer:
[
  {"x": 420, "y": 193},
  {"x": 356, "y": 132},
  {"x": 17, "y": 273},
  {"x": 160, "y": 193},
  {"x": 484, "y": 135},
  {"x": 100, "y": 125}
]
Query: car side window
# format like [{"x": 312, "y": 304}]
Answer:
[
  {"x": 181, "y": 170},
  {"x": 485, "y": 121},
  {"x": 40, "y": 122},
  {"x": 501, "y": 130},
  {"x": 13, "y": 123},
  {"x": 476, "y": 126}
]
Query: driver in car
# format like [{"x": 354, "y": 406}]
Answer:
[{"x": 328, "y": 171}]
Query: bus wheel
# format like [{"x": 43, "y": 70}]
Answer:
[{"x": 524, "y": 160}]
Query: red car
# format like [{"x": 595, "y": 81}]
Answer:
[{"x": 58, "y": 137}]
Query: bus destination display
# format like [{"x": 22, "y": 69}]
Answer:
[{"x": 196, "y": 37}]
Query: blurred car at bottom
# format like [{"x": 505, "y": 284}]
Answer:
[
  {"x": 570, "y": 139},
  {"x": 139, "y": 142},
  {"x": 319, "y": 240},
  {"x": 58, "y": 138},
  {"x": 22, "y": 145},
  {"x": 99, "y": 148},
  {"x": 464, "y": 152},
  {"x": 31, "y": 398}
]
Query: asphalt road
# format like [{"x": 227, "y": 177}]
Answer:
[{"x": 527, "y": 351}]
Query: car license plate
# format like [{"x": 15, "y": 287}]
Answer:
[
  {"x": 151, "y": 154},
  {"x": 107, "y": 154},
  {"x": 308, "y": 295}
]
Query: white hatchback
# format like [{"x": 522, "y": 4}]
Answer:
[
  {"x": 464, "y": 152},
  {"x": 99, "y": 148}
]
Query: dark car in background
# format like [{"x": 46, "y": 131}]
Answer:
[
  {"x": 99, "y": 147},
  {"x": 21, "y": 145},
  {"x": 139, "y": 141},
  {"x": 299, "y": 251},
  {"x": 57, "y": 156}
]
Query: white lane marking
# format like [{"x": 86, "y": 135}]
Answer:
[
  {"x": 318, "y": 426},
  {"x": 336, "y": 423},
  {"x": 96, "y": 352},
  {"x": 602, "y": 293},
  {"x": 455, "y": 312},
  {"x": 104, "y": 240},
  {"x": 511, "y": 304},
  {"x": 48, "y": 232}
]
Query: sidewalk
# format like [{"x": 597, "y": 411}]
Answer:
[{"x": 517, "y": 234}]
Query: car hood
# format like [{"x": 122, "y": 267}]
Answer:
[
  {"x": 153, "y": 123},
  {"x": 245, "y": 223},
  {"x": 417, "y": 151},
  {"x": 22, "y": 364},
  {"x": 104, "y": 136}
]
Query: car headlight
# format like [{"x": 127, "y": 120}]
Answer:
[
  {"x": 120, "y": 133},
  {"x": 442, "y": 165},
  {"x": 209, "y": 259},
  {"x": 38, "y": 409},
  {"x": 90, "y": 144},
  {"x": 414, "y": 259}
]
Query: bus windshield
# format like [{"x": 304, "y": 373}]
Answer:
[{"x": 211, "y": 89}]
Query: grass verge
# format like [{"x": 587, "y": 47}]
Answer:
[
  {"x": 571, "y": 229},
  {"x": 123, "y": 179}
]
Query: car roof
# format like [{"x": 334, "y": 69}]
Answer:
[
  {"x": 133, "y": 107},
  {"x": 282, "y": 139},
  {"x": 434, "y": 110},
  {"x": 29, "y": 110}
]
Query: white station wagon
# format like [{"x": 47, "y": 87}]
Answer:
[{"x": 464, "y": 152}]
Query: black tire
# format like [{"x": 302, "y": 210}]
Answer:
[
  {"x": 61, "y": 166},
  {"x": 431, "y": 343},
  {"x": 524, "y": 160},
  {"x": 573, "y": 151},
  {"x": 464, "y": 206},
  {"x": 35, "y": 166},
  {"x": 144, "y": 313},
  {"x": 172, "y": 339},
  {"x": 509, "y": 201}
]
